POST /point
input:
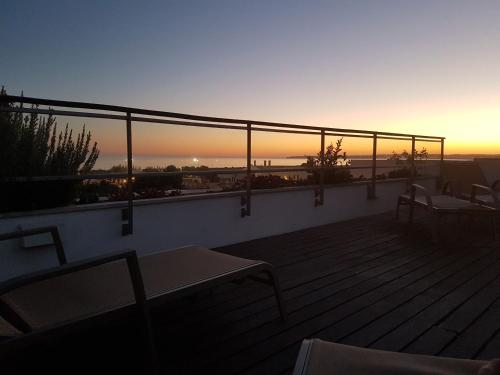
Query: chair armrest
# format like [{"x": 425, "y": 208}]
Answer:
[
  {"x": 130, "y": 256},
  {"x": 56, "y": 238},
  {"x": 302, "y": 361},
  {"x": 413, "y": 193},
  {"x": 495, "y": 185},
  {"x": 20, "y": 281},
  {"x": 476, "y": 187}
]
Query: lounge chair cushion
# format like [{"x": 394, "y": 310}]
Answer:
[
  {"x": 7, "y": 329},
  {"x": 107, "y": 287},
  {"x": 444, "y": 202},
  {"x": 449, "y": 202},
  {"x": 327, "y": 358}
]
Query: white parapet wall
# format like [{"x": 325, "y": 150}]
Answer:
[{"x": 209, "y": 221}]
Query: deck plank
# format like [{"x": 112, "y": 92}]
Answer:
[
  {"x": 353, "y": 315},
  {"x": 474, "y": 340}
]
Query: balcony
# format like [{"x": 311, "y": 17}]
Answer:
[
  {"x": 350, "y": 272},
  {"x": 215, "y": 219}
]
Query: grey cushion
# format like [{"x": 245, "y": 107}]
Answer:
[
  {"x": 100, "y": 289},
  {"x": 326, "y": 358}
]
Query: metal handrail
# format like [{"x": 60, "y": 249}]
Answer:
[
  {"x": 134, "y": 115},
  {"x": 216, "y": 126},
  {"x": 204, "y": 172},
  {"x": 141, "y": 111}
]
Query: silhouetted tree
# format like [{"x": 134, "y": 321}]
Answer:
[
  {"x": 34, "y": 147},
  {"x": 404, "y": 159},
  {"x": 336, "y": 164},
  {"x": 405, "y": 156},
  {"x": 31, "y": 146}
]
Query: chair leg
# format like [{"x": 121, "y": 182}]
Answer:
[
  {"x": 435, "y": 228},
  {"x": 495, "y": 227},
  {"x": 411, "y": 213},
  {"x": 397, "y": 208},
  {"x": 277, "y": 292},
  {"x": 152, "y": 362}
]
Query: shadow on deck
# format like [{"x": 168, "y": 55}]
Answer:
[{"x": 363, "y": 282}]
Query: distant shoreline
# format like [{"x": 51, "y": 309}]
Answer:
[{"x": 106, "y": 161}]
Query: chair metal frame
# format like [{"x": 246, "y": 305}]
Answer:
[
  {"x": 476, "y": 209},
  {"x": 30, "y": 337},
  {"x": 142, "y": 301}
]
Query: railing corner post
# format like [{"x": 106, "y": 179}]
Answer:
[
  {"x": 441, "y": 166},
  {"x": 128, "y": 228},
  {"x": 246, "y": 201},
  {"x": 413, "y": 171},
  {"x": 372, "y": 192},
  {"x": 319, "y": 193}
]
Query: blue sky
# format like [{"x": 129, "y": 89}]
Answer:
[{"x": 431, "y": 66}]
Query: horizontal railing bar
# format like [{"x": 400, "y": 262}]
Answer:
[
  {"x": 114, "y": 108},
  {"x": 187, "y": 123},
  {"x": 103, "y": 176},
  {"x": 55, "y": 112},
  {"x": 369, "y": 136},
  {"x": 78, "y": 177},
  {"x": 307, "y": 132},
  {"x": 409, "y": 139},
  {"x": 271, "y": 170},
  {"x": 241, "y": 170},
  {"x": 195, "y": 124}
]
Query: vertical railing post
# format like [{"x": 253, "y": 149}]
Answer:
[
  {"x": 412, "y": 162},
  {"x": 372, "y": 191},
  {"x": 441, "y": 165},
  {"x": 129, "y": 227},
  {"x": 320, "y": 194},
  {"x": 246, "y": 199}
]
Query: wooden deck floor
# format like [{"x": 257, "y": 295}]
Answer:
[{"x": 363, "y": 282}]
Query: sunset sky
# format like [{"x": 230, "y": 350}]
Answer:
[{"x": 426, "y": 67}]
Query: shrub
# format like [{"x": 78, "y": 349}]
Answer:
[
  {"x": 161, "y": 183},
  {"x": 31, "y": 146},
  {"x": 270, "y": 182},
  {"x": 404, "y": 159},
  {"x": 336, "y": 163}
]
